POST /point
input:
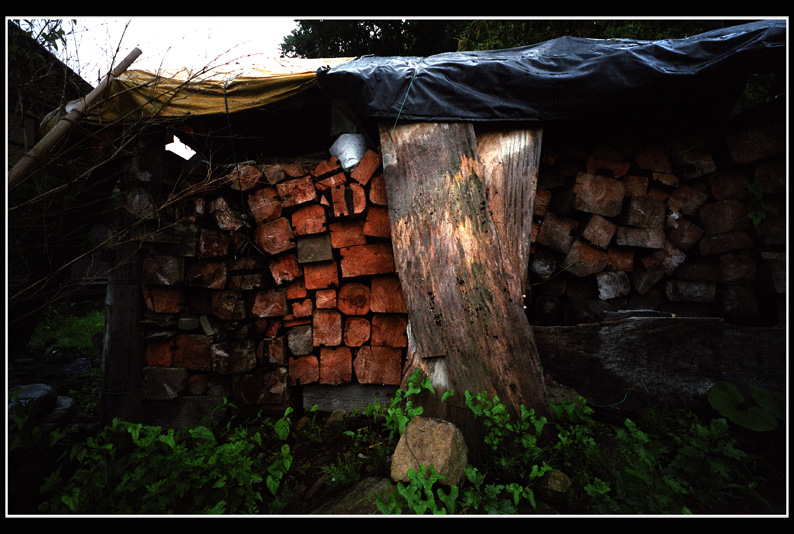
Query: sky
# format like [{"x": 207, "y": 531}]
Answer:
[
  {"x": 191, "y": 42},
  {"x": 96, "y": 44}
]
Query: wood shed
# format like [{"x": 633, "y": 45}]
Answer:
[{"x": 578, "y": 212}]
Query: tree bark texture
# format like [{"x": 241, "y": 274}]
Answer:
[{"x": 468, "y": 328}]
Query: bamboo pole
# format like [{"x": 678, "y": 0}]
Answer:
[{"x": 17, "y": 173}]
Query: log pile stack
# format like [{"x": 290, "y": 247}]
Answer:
[
  {"x": 626, "y": 223},
  {"x": 277, "y": 275}
]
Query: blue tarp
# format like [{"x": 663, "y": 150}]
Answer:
[{"x": 564, "y": 78}]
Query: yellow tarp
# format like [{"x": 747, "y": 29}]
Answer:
[{"x": 138, "y": 95}]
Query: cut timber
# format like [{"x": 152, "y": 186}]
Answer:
[
  {"x": 354, "y": 299},
  {"x": 461, "y": 288}
]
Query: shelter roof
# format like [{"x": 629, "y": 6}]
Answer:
[{"x": 559, "y": 79}]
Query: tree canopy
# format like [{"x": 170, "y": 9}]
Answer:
[{"x": 424, "y": 37}]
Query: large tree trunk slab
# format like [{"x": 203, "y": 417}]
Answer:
[
  {"x": 510, "y": 171},
  {"x": 468, "y": 328}
]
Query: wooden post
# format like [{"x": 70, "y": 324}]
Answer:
[
  {"x": 123, "y": 352},
  {"x": 468, "y": 328}
]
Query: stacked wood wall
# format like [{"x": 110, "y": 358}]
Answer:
[
  {"x": 663, "y": 221},
  {"x": 281, "y": 275},
  {"x": 275, "y": 275}
]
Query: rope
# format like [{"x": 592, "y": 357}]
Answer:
[{"x": 399, "y": 112}]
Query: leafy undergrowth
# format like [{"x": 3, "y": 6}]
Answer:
[{"x": 294, "y": 463}]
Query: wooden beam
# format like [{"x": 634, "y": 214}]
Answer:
[{"x": 18, "y": 172}]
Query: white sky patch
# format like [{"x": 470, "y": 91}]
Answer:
[{"x": 171, "y": 43}]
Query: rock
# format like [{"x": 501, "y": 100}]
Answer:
[
  {"x": 60, "y": 415},
  {"x": 361, "y": 500},
  {"x": 428, "y": 441},
  {"x": 335, "y": 418},
  {"x": 554, "y": 487},
  {"x": 36, "y": 399}
]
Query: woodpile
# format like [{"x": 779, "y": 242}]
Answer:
[
  {"x": 281, "y": 275},
  {"x": 625, "y": 223},
  {"x": 278, "y": 275}
]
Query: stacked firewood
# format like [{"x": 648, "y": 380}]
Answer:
[
  {"x": 278, "y": 275},
  {"x": 693, "y": 227}
]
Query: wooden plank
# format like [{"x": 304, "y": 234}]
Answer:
[
  {"x": 347, "y": 397},
  {"x": 461, "y": 288}
]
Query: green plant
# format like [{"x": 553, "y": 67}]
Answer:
[
  {"x": 279, "y": 467},
  {"x": 59, "y": 331},
  {"x": 730, "y": 403},
  {"x": 492, "y": 498},
  {"x": 762, "y": 207},
  {"x": 343, "y": 473},
  {"x": 401, "y": 409},
  {"x": 282, "y": 459},
  {"x": 515, "y": 443},
  {"x": 418, "y": 496},
  {"x": 695, "y": 467},
  {"x": 136, "y": 469}
]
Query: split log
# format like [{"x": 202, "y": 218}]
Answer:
[
  {"x": 461, "y": 288},
  {"x": 243, "y": 177},
  {"x": 245, "y": 274},
  {"x": 309, "y": 219},
  {"x": 389, "y": 330},
  {"x": 327, "y": 328},
  {"x": 265, "y": 204},
  {"x": 212, "y": 243},
  {"x": 207, "y": 273},
  {"x": 275, "y": 236},
  {"x": 336, "y": 365},
  {"x": 300, "y": 340},
  {"x": 366, "y": 168},
  {"x": 161, "y": 270},
  {"x": 377, "y": 222},
  {"x": 598, "y": 194},
  {"x": 321, "y": 275},
  {"x": 325, "y": 298},
  {"x": 723, "y": 217},
  {"x": 644, "y": 212},
  {"x": 285, "y": 268},
  {"x": 354, "y": 299},
  {"x": 378, "y": 365},
  {"x": 364, "y": 260},
  {"x": 377, "y": 190},
  {"x": 297, "y": 191},
  {"x": 599, "y": 231},
  {"x": 347, "y": 233},
  {"x": 556, "y": 232},
  {"x": 357, "y": 331},
  {"x": 386, "y": 295},
  {"x": 227, "y": 217}
]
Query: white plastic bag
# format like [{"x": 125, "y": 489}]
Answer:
[{"x": 349, "y": 149}]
